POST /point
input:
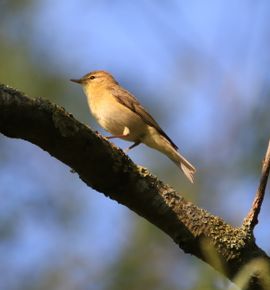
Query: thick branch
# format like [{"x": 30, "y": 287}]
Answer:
[{"x": 107, "y": 169}]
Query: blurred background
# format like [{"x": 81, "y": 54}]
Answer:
[{"x": 200, "y": 67}]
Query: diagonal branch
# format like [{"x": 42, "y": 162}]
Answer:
[
  {"x": 107, "y": 169},
  {"x": 251, "y": 219}
]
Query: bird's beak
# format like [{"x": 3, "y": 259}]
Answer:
[{"x": 79, "y": 81}]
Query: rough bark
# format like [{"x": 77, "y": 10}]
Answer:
[{"x": 101, "y": 165}]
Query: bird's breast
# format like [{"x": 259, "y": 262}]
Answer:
[{"x": 114, "y": 117}]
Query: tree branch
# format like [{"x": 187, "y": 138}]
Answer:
[
  {"x": 252, "y": 218},
  {"x": 107, "y": 169}
]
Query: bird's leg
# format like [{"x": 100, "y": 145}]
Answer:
[
  {"x": 123, "y": 135},
  {"x": 132, "y": 146}
]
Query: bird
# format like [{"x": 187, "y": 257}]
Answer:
[{"x": 121, "y": 114}]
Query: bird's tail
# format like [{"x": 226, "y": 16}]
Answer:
[
  {"x": 188, "y": 169},
  {"x": 163, "y": 144}
]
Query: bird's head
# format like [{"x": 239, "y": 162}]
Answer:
[{"x": 95, "y": 79}]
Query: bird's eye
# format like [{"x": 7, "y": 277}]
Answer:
[{"x": 92, "y": 77}]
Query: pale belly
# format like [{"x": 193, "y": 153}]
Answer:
[{"x": 114, "y": 117}]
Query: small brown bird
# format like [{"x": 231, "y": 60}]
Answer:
[{"x": 120, "y": 113}]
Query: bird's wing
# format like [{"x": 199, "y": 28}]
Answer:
[{"x": 128, "y": 100}]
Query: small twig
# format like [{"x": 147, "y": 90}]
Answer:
[{"x": 252, "y": 218}]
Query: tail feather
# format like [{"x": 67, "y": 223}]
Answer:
[
  {"x": 188, "y": 169},
  {"x": 163, "y": 144}
]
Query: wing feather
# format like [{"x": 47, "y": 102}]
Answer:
[{"x": 128, "y": 100}]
